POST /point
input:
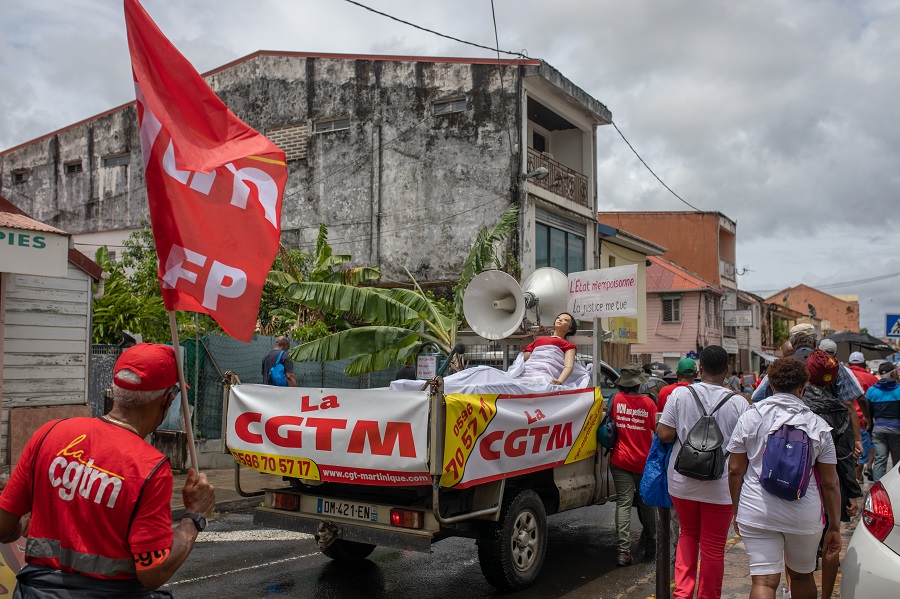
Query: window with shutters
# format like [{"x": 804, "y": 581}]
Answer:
[
  {"x": 20, "y": 176},
  {"x": 671, "y": 308},
  {"x": 449, "y": 106},
  {"x": 73, "y": 167},
  {"x": 335, "y": 124},
  {"x": 117, "y": 160}
]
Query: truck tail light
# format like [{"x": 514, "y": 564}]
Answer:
[
  {"x": 878, "y": 516},
  {"x": 407, "y": 518},
  {"x": 285, "y": 501}
]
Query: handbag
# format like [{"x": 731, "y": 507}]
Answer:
[
  {"x": 606, "y": 432},
  {"x": 655, "y": 483}
]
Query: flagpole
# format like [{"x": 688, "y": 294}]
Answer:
[{"x": 185, "y": 412}]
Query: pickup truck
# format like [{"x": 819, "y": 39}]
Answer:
[{"x": 403, "y": 469}]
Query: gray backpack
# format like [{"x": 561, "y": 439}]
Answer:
[{"x": 701, "y": 456}]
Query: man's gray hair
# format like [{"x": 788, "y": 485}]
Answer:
[
  {"x": 803, "y": 339},
  {"x": 283, "y": 342},
  {"x": 131, "y": 398}
]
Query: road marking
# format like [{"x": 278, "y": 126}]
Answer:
[
  {"x": 252, "y": 535},
  {"x": 255, "y": 567}
]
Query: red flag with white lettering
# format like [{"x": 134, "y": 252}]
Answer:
[{"x": 214, "y": 185}]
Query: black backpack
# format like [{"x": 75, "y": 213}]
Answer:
[
  {"x": 701, "y": 456},
  {"x": 824, "y": 403}
]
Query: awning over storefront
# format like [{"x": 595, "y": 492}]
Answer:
[{"x": 765, "y": 356}]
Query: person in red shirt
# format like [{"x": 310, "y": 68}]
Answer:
[
  {"x": 686, "y": 372},
  {"x": 635, "y": 417},
  {"x": 100, "y": 496},
  {"x": 857, "y": 365}
]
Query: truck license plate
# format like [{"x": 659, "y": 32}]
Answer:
[{"x": 357, "y": 511}]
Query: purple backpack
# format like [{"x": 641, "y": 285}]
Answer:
[{"x": 787, "y": 463}]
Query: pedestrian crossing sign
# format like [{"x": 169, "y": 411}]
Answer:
[{"x": 892, "y": 325}]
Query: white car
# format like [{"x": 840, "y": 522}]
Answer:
[{"x": 871, "y": 568}]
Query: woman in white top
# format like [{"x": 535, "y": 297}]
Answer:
[
  {"x": 703, "y": 506},
  {"x": 777, "y": 532}
]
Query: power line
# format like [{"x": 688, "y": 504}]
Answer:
[
  {"x": 651, "y": 170},
  {"x": 444, "y": 35},
  {"x": 500, "y": 75},
  {"x": 838, "y": 285}
]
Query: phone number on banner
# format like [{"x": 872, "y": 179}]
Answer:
[{"x": 273, "y": 464}]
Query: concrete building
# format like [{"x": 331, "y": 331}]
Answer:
[
  {"x": 45, "y": 328},
  {"x": 835, "y": 313},
  {"x": 683, "y": 314},
  {"x": 403, "y": 158},
  {"x": 703, "y": 243},
  {"x": 621, "y": 248}
]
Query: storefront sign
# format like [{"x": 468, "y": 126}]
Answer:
[
  {"x": 33, "y": 252},
  {"x": 738, "y": 318},
  {"x": 730, "y": 345}
]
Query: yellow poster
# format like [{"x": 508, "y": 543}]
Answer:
[{"x": 624, "y": 330}]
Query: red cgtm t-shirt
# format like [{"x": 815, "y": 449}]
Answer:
[
  {"x": 635, "y": 417},
  {"x": 866, "y": 379},
  {"x": 665, "y": 392},
  {"x": 557, "y": 341},
  {"x": 97, "y": 494}
]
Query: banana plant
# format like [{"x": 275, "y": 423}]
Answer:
[{"x": 395, "y": 322}]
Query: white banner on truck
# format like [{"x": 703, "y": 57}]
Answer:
[
  {"x": 489, "y": 437},
  {"x": 360, "y": 436}
]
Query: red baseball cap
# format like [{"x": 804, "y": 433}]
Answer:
[
  {"x": 823, "y": 369},
  {"x": 153, "y": 363}
]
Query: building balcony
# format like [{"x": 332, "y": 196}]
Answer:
[{"x": 562, "y": 180}]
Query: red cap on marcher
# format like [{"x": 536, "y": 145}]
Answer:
[
  {"x": 153, "y": 363},
  {"x": 822, "y": 368}
]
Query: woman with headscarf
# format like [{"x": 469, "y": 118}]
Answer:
[{"x": 779, "y": 533}]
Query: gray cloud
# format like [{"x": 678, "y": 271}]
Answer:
[{"x": 779, "y": 114}]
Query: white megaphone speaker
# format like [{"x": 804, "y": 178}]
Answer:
[
  {"x": 495, "y": 305},
  {"x": 546, "y": 292}
]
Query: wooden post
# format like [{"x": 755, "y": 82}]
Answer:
[{"x": 185, "y": 411}]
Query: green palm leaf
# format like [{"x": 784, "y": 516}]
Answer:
[
  {"x": 366, "y": 303},
  {"x": 354, "y": 343},
  {"x": 280, "y": 278}
]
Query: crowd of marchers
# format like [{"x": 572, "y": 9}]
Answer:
[{"x": 784, "y": 468}]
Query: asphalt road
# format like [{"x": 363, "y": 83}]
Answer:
[{"x": 233, "y": 558}]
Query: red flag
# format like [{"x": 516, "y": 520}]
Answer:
[{"x": 214, "y": 185}]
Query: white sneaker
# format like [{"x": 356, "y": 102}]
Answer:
[{"x": 785, "y": 593}]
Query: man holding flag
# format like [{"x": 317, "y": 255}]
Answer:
[{"x": 214, "y": 187}]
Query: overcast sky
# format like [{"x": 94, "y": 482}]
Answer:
[{"x": 781, "y": 115}]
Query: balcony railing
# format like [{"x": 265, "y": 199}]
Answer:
[{"x": 562, "y": 180}]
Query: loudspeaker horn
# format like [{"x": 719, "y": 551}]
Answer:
[
  {"x": 494, "y": 304},
  {"x": 546, "y": 292}
]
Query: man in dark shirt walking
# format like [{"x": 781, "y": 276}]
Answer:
[{"x": 279, "y": 355}]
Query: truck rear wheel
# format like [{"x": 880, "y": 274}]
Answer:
[
  {"x": 511, "y": 551},
  {"x": 348, "y": 551}
]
